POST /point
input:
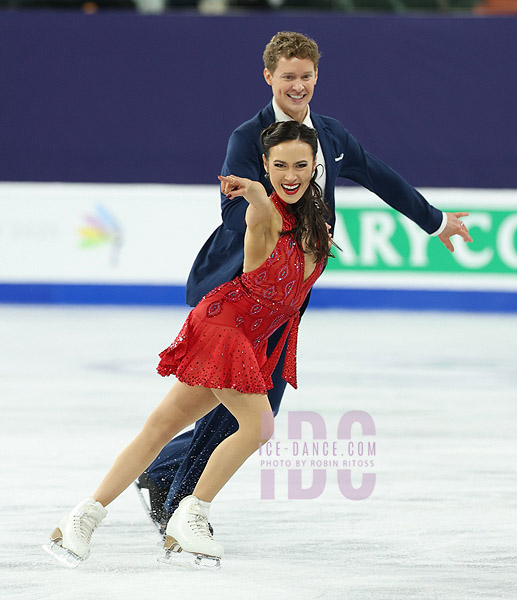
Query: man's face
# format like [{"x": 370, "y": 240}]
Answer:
[{"x": 293, "y": 85}]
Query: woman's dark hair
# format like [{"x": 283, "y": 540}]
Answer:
[{"x": 310, "y": 211}]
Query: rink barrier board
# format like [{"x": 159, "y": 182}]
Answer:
[
  {"x": 129, "y": 244},
  {"x": 322, "y": 298}
]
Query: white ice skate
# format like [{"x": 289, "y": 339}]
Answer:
[
  {"x": 188, "y": 530},
  {"x": 70, "y": 540}
]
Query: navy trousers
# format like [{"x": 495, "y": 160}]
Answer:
[{"x": 181, "y": 462}]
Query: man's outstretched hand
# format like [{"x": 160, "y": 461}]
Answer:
[{"x": 454, "y": 227}]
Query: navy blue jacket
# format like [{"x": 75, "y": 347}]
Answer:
[{"x": 222, "y": 256}]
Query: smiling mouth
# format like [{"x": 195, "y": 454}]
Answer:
[
  {"x": 291, "y": 189},
  {"x": 296, "y": 98}
]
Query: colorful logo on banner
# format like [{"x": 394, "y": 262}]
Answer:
[
  {"x": 101, "y": 229},
  {"x": 311, "y": 462},
  {"x": 383, "y": 240}
]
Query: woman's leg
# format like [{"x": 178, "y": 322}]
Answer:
[
  {"x": 182, "y": 406},
  {"x": 255, "y": 418}
]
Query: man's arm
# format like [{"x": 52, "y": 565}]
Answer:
[
  {"x": 370, "y": 172},
  {"x": 243, "y": 159}
]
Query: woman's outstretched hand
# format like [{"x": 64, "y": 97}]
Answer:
[
  {"x": 233, "y": 187},
  {"x": 258, "y": 212}
]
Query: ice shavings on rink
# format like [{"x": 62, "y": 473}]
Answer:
[{"x": 77, "y": 383}]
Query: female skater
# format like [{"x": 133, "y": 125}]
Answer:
[{"x": 219, "y": 356}]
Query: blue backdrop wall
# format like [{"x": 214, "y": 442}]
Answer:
[{"x": 122, "y": 97}]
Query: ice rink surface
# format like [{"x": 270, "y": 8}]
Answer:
[{"x": 77, "y": 383}]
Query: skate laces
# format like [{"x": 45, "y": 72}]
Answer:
[
  {"x": 199, "y": 525},
  {"x": 86, "y": 523}
]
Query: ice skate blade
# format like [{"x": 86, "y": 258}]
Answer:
[
  {"x": 202, "y": 561},
  {"x": 63, "y": 555},
  {"x": 173, "y": 549},
  {"x": 190, "y": 559},
  {"x": 147, "y": 509}
]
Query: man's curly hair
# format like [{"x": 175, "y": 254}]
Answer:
[{"x": 289, "y": 44}]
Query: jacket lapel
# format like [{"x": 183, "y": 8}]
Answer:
[
  {"x": 267, "y": 115},
  {"x": 329, "y": 152}
]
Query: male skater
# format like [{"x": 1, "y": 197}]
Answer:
[{"x": 291, "y": 69}]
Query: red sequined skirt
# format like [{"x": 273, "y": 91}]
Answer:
[{"x": 223, "y": 341}]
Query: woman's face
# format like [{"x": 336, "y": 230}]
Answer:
[{"x": 290, "y": 167}]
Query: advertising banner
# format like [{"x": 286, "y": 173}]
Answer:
[
  {"x": 103, "y": 233},
  {"x": 382, "y": 248}
]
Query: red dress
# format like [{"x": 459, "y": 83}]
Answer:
[{"x": 222, "y": 344}]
